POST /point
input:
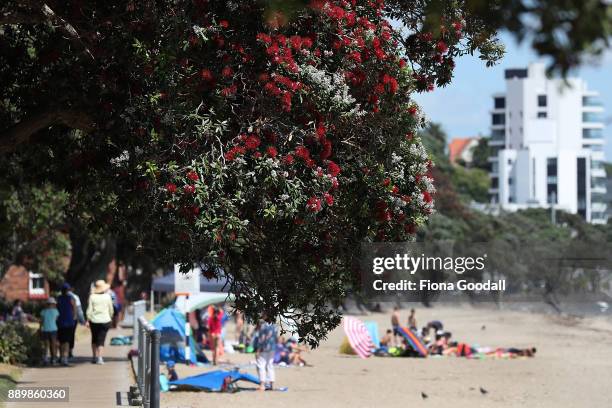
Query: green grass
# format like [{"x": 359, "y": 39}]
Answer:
[{"x": 8, "y": 379}]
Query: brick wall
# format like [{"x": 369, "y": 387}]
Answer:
[{"x": 15, "y": 284}]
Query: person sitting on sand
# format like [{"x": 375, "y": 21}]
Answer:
[
  {"x": 387, "y": 339},
  {"x": 172, "y": 375},
  {"x": 295, "y": 353},
  {"x": 440, "y": 344}
]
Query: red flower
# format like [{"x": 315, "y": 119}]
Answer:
[
  {"x": 333, "y": 169},
  {"x": 412, "y": 110},
  {"x": 192, "y": 175},
  {"x": 441, "y": 47},
  {"x": 386, "y": 182},
  {"x": 288, "y": 159},
  {"x": 189, "y": 189},
  {"x": 171, "y": 188},
  {"x": 306, "y": 42},
  {"x": 302, "y": 152},
  {"x": 427, "y": 197},
  {"x": 224, "y": 23},
  {"x": 313, "y": 204},
  {"x": 329, "y": 199},
  {"x": 395, "y": 190},
  {"x": 406, "y": 198},
  {"x": 227, "y": 71},
  {"x": 252, "y": 142},
  {"x": 264, "y": 37},
  {"x": 296, "y": 42},
  {"x": 271, "y": 151},
  {"x": 206, "y": 75}
]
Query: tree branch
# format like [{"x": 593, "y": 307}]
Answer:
[{"x": 23, "y": 131}]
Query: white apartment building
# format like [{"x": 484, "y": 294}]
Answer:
[{"x": 547, "y": 145}]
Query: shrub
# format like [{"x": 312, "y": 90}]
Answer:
[{"x": 19, "y": 344}]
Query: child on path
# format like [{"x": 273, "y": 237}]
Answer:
[{"x": 48, "y": 330}]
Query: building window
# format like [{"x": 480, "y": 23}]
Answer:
[
  {"x": 581, "y": 186},
  {"x": 36, "y": 285},
  {"x": 592, "y": 133},
  {"x": 494, "y": 182},
  {"x": 593, "y": 147},
  {"x": 510, "y": 181},
  {"x": 551, "y": 180},
  {"x": 591, "y": 101},
  {"x": 542, "y": 101},
  {"x": 498, "y": 133},
  {"x": 542, "y": 115},
  {"x": 499, "y": 102},
  {"x": 498, "y": 119},
  {"x": 509, "y": 161},
  {"x": 592, "y": 117}
]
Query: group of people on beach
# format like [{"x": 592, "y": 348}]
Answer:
[
  {"x": 439, "y": 341},
  {"x": 60, "y": 318}
]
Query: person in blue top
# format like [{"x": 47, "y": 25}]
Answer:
[
  {"x": 67, "y": 309},
  {"x": 264, "y": 344},
  {"x": 48, "y": 330}
]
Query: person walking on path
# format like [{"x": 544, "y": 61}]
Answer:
[
  {"x": 48, "y": 330},
  {"x": 79, "y": 318},
  {"x": 264, "y": 343},
  {"x": 99, "y": 318},
  {"x": 66, "y": 306}
]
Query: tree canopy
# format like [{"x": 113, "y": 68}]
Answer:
[{"x": 266, "y": 138}]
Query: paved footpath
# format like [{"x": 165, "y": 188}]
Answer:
[{"x": 91, "y": 385}]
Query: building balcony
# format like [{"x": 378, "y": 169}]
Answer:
[
  {"x": 598, "y": 189},
  {"x": 598, "y": 173},
  {"x": 493, "y": 159},
  {"x": 497, "y": 142},
  {"x": 599, "y": 207}
]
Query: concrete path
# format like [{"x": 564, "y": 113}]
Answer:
[{"x": 91, "y": 385}]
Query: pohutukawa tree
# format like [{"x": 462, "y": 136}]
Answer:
[{"x": 266, "y": 138}]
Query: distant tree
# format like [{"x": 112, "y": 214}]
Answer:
[{"x": 481, "y": 154}]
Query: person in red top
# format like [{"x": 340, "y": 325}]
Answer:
[{"x": 214, "y": 332}]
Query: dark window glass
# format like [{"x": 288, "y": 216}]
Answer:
[
  {"x": 542, "y": 115},
  {"x": 500, "y": 102},
  {"x": 499, "y": 119},
  {"x": 581, "y": 173},
  {"x": 542, "y": 101}
]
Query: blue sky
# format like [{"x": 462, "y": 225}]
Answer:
[{"x": 463, "y": 106}]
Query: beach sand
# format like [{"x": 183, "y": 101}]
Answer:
[{"x": 572, "y": 368}]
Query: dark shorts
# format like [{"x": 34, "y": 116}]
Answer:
[
  {"x": 65, "y": 334},
  {"x": 396, "y": 331},
  {"x": 48, "y": 336},
  {"x": 98, "y": 333}
]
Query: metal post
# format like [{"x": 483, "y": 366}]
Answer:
[
  {"x": 141, "y": 356},
  {"x": 155, "y": 386},
  {"x": 147, "y": 380}
]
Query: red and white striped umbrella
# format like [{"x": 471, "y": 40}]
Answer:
[{"x": 358, "y": 336}]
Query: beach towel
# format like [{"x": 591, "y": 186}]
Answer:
[
  {"x": 215, "y": 380},
  {"x": 373, "y": 331}
]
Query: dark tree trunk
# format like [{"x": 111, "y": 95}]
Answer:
[{"x": 89, "y": 262}]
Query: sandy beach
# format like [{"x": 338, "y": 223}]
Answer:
[{"x": 572, "y": 368}]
